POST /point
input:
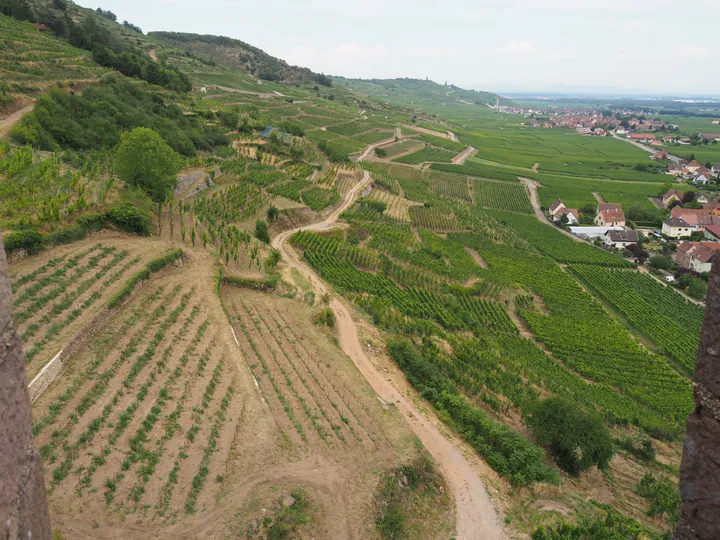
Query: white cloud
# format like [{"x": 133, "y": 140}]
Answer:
[
  {"x": 690, "y": 51},
  {"x": 355, "y": 51},
  {"x": 517, "y": 48},
  {"x": 302, "y": 56}
]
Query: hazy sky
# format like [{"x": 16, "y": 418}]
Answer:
[{"x": 663, "y": 46}]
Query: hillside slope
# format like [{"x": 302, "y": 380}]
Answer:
[{"x": 240, "y": 55}]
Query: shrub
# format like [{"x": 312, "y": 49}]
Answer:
[
  {"x": 28, "y": 239},
  {"x": 325, "y": 317},
  {"x": 663, "y": 495},
  {"x": 261, "y": 231},
  {"x": 611, "y": 527},
  {"x": 91, "y": 222},
  {"x": 129, "y": 219},
  {"x": 577, "y": 439},
  {"x": 642, "y": 449},
  {"x": 380, "y": 152}
]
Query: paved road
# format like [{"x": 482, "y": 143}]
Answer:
[{"x": 650, "y": 149}]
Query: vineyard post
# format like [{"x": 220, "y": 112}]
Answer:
[{"x": 23, "y": 503}]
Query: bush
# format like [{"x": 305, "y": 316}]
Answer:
[
  {"x": 642, "y": 449},
  {"x": 261, "y": 231},
  {"x": 129, "y": 219},
  {"x": 380, "y": 152},
  {"x": 577, "y": 439},
  {"x": 663, "y": 495},
  {"x": 92, "y": 222},
  {"x": 326, "y": 317},
  {"x": 29, "y": 239},
  {"x": 611, "y": 527}
]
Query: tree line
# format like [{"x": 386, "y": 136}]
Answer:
[{"x": 88, "y": 33}]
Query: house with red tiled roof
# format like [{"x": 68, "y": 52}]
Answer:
[
  {"x": 712, "y": 233},
  {"x": 672, "y": 195},
  {"x": 556, "y": 207},
  {"x": 696, "y": 218},
  {"x": 697, "y": 256},
  {"x": 609, "y": 214},
  {"x": 573, "y": 215},
  {"x": 693, "y": 166}
]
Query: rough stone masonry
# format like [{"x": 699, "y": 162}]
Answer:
[
  {"x": 700, "y": 467},
  {"x": 23, "y": 503}
]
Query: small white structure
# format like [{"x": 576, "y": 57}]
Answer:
[{"x": 591, "y": 233}]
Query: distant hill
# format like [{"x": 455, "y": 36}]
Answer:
[
  {"x": 418, "y": 93},
  {"x": 241, "y": 55}
]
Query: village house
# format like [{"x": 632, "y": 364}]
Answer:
[
  {"x": 621, "y": 239},
  {"x": 696, "y": 256},
  {"x": 696, "y": 218},
  {"x": 676, "y": 228},
  {"x": 716, "y": 169},
  {"x": 684, "y": 140},
  {"x": 668, "y": 139},
  {"x": 702, "y": 178},
  {"x": 609, "y": 214},
  {"x": 656, "y": 143},
  {"x": 555, "y": 208},
  {"x": 702, "y": 198},
  {"x": 572, "y": 214},
  {"x": 692, "y": 166},
  {"x": 710, "y": 136},
  {"x": 661, "y": 155},
  {"x": 672, "y": 195},
  {"x": 676, "y": 169},
  {"x": 642, "y": 137},
  {"x": 712, "y": 233}
]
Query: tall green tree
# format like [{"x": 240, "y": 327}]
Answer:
[
  {"x": 577, "y": 439},
  {"x": 144, "y": 160}
]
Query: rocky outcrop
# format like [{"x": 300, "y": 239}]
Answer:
[
  {"x": 23, "y": 503},
  {"x": 700, "y": 467}
]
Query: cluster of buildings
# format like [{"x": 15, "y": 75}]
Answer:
[
  {"x": 686, "y": 221},
  {"x": 698, "y": 256},
  {"x": 693, "y": 171},
  {"x": 610, "y": 224}
]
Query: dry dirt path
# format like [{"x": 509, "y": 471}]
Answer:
[
  {"x": 153, "y": 55},
  {"x": 535, "y": 167},
  {"x": 452, "y": 136},
  {"x": 6, "y": 124},
  {"x": 476, "y": 515},
  {"x": 535, "y": 201},
  {"x": 373, "y": 146},
  {"x": 460, "y": 158},
  {"x": 598, "y": 197}
]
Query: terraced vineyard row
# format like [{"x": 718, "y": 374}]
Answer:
[
  {"x": 427, "y": 154},
  {"x": 139, "y": 425},
  {"x": 311, "y": 403},
  {"x": 433, "y": 218},
  {"x": 502, "y": 196},
  {"x": 657, "y": 311},
  {"x": 51, "y": 300}
]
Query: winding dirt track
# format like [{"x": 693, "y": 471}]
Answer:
[
  {"x": 6, "y": 124},
  {"x": 461, "y": 157},
  {"x": 476, "y": 515}
]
